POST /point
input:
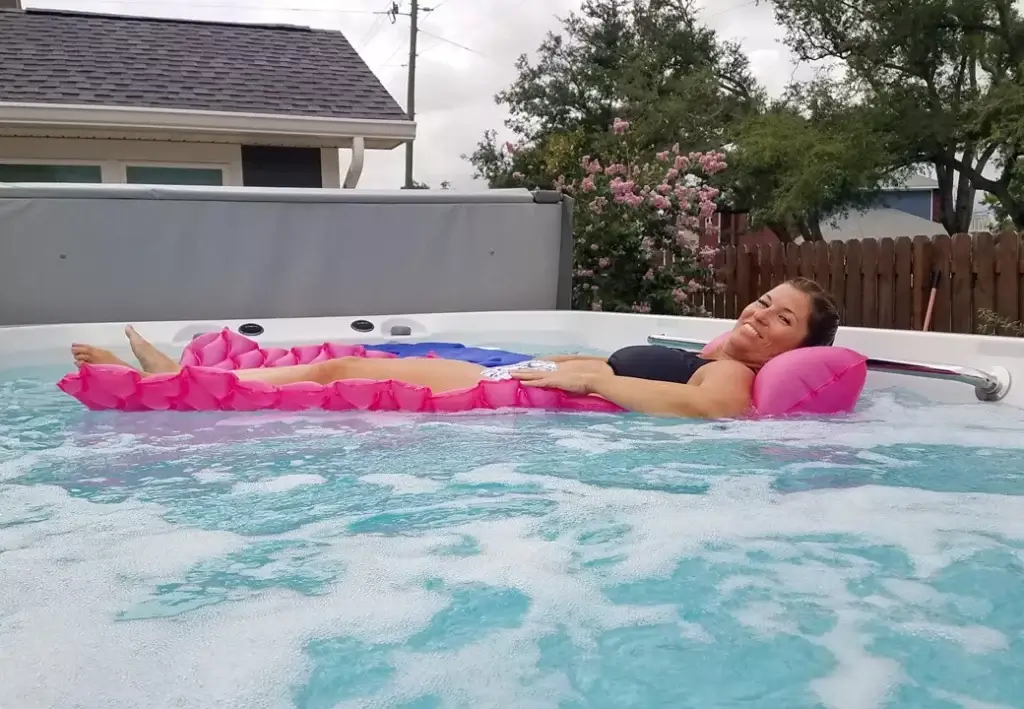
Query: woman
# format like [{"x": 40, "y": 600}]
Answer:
[{"x": 647, "y": 379}]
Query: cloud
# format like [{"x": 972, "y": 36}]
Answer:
[{"x": 455, "y": 84}]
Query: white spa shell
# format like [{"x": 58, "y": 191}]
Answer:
[{"x": 553, "y": 330}]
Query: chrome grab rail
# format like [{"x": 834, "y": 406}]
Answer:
[{"x": 988, "y": 385}]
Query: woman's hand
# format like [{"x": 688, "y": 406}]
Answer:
[{"x": 572, "y": 382}]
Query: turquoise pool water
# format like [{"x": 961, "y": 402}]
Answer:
[{"x": 508, "y": 560}]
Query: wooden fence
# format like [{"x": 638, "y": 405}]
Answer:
[{"x": 886, "y": 282}]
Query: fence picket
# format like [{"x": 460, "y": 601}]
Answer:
[
  {"x": 903, "y": 284},
  {"x": 1007, "y": 281},
  {"x": 962, "y": 278}
]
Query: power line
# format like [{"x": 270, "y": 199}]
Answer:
[
  {"x": 414, "y": 31},
  {"x": 236, "y": 6},
  {"x": 374, "y": 29},
  {"x": 399, "y": 48},
  {"x": 730, "y": 9},
  {"x": 448, "y": 41}
]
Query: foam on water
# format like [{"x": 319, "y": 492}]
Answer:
[{"x": 550, "y": 561}]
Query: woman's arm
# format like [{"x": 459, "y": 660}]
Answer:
[
  {"x": 724, "y": 392},
  {"x": 570, "y": 358}
]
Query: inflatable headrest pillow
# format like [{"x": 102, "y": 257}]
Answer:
[{"x": 808, "y": 380}]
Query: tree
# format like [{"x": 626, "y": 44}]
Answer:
[
  {"x": 805, "y": 161},
  {"x": 650, "y": 61},
  {"x": 940, "y": 81}
]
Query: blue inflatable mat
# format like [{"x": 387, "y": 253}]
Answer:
[{"x": 452, "y": 350}]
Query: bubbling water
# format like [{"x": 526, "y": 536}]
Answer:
[{"x": 529, "y": 560}]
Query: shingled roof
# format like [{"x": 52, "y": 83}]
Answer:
[{"x": 60, "y": 57}]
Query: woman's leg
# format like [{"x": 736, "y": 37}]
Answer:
[{"x": 439, "y": 375}]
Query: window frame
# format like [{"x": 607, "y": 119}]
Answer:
[
  {"x": 222, "y": 168},
  {"x": 59, "y": 162}
]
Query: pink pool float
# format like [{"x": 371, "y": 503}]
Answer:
[{"x": 811, "y": 380}]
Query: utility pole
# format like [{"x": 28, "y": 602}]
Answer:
[{"x": 410, "y": 99}]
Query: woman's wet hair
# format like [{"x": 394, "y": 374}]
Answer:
[{"x": 824, "y": 319}]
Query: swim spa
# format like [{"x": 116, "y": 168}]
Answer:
[{"x": 497, "y": 559}]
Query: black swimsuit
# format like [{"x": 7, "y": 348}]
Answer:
[{"x": 662, "y": 364}]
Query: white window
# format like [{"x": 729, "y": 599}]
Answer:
[
  {"x": 174, "y": 175},
  {"x": 30, "y": 171}
]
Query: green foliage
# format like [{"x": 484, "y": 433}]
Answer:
[
  {"x": 650, "y": 61},
  {"x": 633, "y": 213},
  {"x": 794, "y": 169},
  {"x": 940, "y": 83},
  {"x": 804, "y": 160},
  {"x": 990, "y": 323}
]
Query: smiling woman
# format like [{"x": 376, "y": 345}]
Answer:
[{"x": 647, "y": 379}]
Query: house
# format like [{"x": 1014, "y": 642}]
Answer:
[
  {"x": 109, "y": 98},
  {"x": 909, "y": 209}
]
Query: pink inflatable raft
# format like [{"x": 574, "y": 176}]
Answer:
[{"x": 816, "y": 380}]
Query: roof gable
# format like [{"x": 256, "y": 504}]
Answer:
[{"x": 88, "y": 59}]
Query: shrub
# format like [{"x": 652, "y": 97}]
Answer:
[
  {"x": 990, "y": 323},
  {"x": 634, "y": 213}
]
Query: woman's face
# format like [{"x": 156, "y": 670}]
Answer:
[{"x": 776, "y": 322}]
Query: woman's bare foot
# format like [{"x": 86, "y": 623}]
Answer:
[
  {"x": 87, "y": 354},
  {"x": 152, "y": 360}
]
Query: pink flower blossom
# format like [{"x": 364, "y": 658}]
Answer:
[
  {"x": 604, "y": 262},
  {"x": 641, "y": 308},
  {"x": 660, "y": 202},
  {"x": 620, "y": 126},
  {"x": 662, "y": 156},
  {"x": 517, "y": 176},
  {"x": 649, "y": 276},
  {"x": 510, "y": 147},
  {"x": 588, "y": 184},
  {"x": 679, "y": 296}
]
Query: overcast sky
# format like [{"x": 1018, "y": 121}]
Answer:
[{"x": 466, "y": 55}]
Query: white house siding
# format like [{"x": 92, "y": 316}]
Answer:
[{"x": 113, "y": 156}]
